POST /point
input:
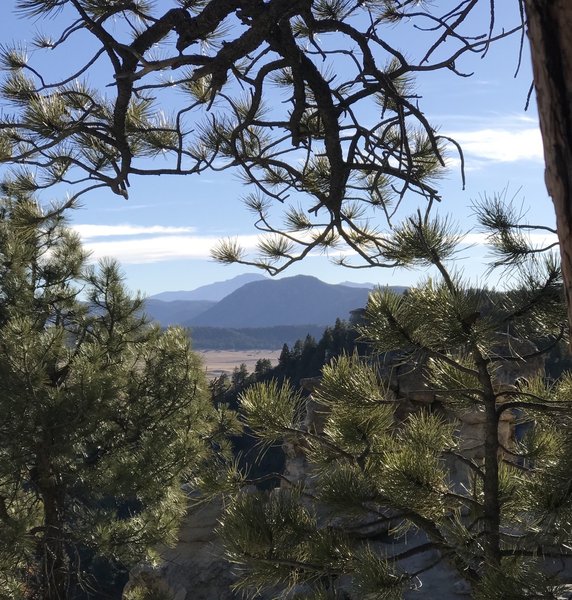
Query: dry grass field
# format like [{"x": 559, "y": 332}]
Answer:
[{"x": 224, "y": 361}]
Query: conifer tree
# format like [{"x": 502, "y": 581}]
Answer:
[
  {"x": 262, "y": 367},
  {"x": 103, "y": 416},
  {"x": 496, "y": 515}
]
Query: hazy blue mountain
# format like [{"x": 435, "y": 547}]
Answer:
[
  {"x": 176, "y": 312},
  {"x": 296, "y": 300},
  {"x": 354, "y": 284},
  {"x": 212, "y": 292}
]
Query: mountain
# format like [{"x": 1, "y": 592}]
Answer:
[
  {"x": 354, "y": 284},
  {"x": 176, "y": 312},
  {"x": 212, "y": 292},
  {"x": 296, "y": 300}
]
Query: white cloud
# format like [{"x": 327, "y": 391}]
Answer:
[
  {"x": 475, "y": 239},
  {"x": 87, "y": 231},
  {"x": 174, "y": 247},
  {"x": 142, "y": 244},
  {"x": 475, "y": 164},
  {"x": 538, "y": 240},
  {"x": 501, "y": 144},
  {"x": 161, "y": 248}
]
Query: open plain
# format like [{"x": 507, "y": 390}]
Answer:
[{"x": 218, "y": 362}]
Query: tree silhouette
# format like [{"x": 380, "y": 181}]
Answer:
[{"x": 312, "y": 102}]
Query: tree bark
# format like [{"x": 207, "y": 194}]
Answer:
[
  {"x": 52, "y": 549},
  {"x": 550, "y": 34},
  {"x": 54, "y": 565},
  {"x": 491, "y": 504}
]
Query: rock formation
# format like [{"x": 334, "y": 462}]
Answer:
[{"x": 195, "y": 569}]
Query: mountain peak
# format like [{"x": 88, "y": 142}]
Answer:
[
  {"x": 213, "y": 291},
  {"x": 297, "y": 300}
]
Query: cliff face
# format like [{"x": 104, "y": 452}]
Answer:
[{"x": 195, "y": 569}]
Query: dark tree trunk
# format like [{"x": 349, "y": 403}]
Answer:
[
  {"x": 491, "y": 484},
  {"x": 52, "y": 547},
  {"x": 550, "y": 33},
  {"x": 491, "y": 504},
  {"x": 54, "y": 563}
]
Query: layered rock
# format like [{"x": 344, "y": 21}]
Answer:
[{"x": 195, "y": 569}]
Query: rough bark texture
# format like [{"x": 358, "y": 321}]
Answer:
[{"x": 550, "y": 33}]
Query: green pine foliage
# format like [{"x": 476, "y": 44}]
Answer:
[
  {"x": 304, "y": 360},
  {"x": 103, "y": 416},
  {"x": 378, "y": 475}
]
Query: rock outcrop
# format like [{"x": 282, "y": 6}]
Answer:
[{"x": 195, "y": 569}]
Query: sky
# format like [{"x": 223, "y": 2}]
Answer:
[{"x": 162, "y": 235}]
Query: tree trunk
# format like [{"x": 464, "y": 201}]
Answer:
[
  {"x": 54, "y": 563},
  {"x": 491, "y": 504},
  {"x": 491, "y": 484},
  {"x": 52, "y": 548},
  {"x": 550, "y": 33}
]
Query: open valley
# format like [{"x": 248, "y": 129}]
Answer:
[{"x": 218, "y": 362}]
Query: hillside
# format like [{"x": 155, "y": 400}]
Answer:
[
  {"x": 176, "y": 312},
  {"x": 271, "y": 338},
  {"x": 296, "y": 300},
  {"x": 264, "y": 313}
]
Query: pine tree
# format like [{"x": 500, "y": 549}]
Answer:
[
  {"x": 497, "y": 514},
  {"x": 262, "y": 367},
  {"x": 61, "y": 129},
  {"x": 219, "y": 386},
  {"x": 239, "y": 376},
  {"x": 103, "y": 416},
  {"x": 307, "y": 359}
]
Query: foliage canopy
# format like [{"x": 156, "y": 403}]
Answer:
[
  {"x": 312, "y": 102},
  {"x": 437, "y": 439}
]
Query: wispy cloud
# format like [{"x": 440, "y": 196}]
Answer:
[
  {"x": 140, "y": 244},
  {"x": 472, "y": 240},
  {"x": 160, "y": 248},
  {"x": 88, "y": 231},
  {"x": 498, "y": 138},
  {"x": 174, "y": 247},
  {"x": 501, "y": 145}
]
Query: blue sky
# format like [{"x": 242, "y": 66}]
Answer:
[{"x": 163, "y": 234}]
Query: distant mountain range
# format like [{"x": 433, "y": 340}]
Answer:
[
  {"x": 253, "y": 302},
  {"x": 176, "y": 312},
  {"x": 212, "y": 292},
  {"x": 299, "y": 300}
]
